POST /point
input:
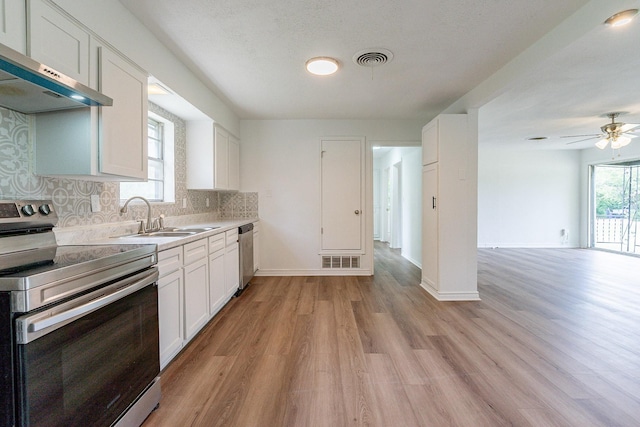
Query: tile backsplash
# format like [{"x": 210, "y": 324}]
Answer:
[{"x": 71, "y": 197}]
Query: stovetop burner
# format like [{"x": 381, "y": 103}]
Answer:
[
  {"x": 37, "y": 261},
  {"x": 40, "y": 272}
]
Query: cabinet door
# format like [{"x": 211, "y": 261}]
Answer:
[
  {"x": 200, "y": 155},
  {"x": 234, "y": 164},
  {"x": 196, "y": 307},
  {"x": 57, "y": 41},
  {"x": 13, "y": 25},
  {"x": 123, "y": 143},
  {"x": 170, "y": 315},
  {"x": 430, "y": 233},
  {"x": 430, "y": 143},
  {"x": 217, "y": 284},
  {"x": 232, "y": 269},
  {"x": 221, "y": 159}
]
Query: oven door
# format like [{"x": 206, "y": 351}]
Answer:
[{"x": 85, "y": 361}]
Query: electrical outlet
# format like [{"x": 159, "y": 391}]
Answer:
[
  {"x": 207, "y": 202},
  {"x": 95, "y": 203},
  {"x": 184, "y": 203}
]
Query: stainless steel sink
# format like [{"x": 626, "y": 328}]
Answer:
[
  {"x": 159, "y": 234},
  {"x": 171, "y": 232},
  {"x": 168, "y": 234},
  {"x": 195, "y": 229}
]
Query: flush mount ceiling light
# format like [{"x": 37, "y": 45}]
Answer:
[
  {"x": 622, "y": 18},
  {"x": 322, "y": 66}
]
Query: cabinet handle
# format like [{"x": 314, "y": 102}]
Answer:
[
  {"x": 433, "y": 202},
  {"x": 357, "y": 212}
]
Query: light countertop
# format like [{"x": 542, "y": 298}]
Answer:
[{"x": 164, "y": 243}]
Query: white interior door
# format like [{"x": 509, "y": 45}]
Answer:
[{"x": 342, "y": 192}]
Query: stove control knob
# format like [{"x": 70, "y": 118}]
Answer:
[
  {"x": 28, "y": 210},
  {"x": 45, "y": 209}
]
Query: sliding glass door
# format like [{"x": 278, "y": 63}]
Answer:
[{"x": 616, "y": 196}]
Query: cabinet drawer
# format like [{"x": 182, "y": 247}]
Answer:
[
  {"x": 195, "y": 250},
  {"x": 169, "y": 261},
  {"x": 216, "y": 242},
  {"x": 231, "y": 236}
]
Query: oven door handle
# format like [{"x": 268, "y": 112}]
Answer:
[{"x": 31, "y": 327}]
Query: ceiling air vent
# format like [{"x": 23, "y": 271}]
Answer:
[{"x": 372, "y": 57}]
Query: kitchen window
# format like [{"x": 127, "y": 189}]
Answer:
[{"x": 160, "y": 184}]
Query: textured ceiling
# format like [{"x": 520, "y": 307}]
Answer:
[
  {"x": 252, "y": 53},
  {"x": 571, "y": 91}
]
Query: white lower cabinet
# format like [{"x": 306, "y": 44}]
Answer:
[
  {"x": 170, "y": 304},
  {"x": 196, "y": 280},
  {"x": 196, "y": 287},
  {"x": 217, "y": 280},
  {"x": 232, "y": 262}
]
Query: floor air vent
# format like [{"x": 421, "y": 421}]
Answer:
[{"x": 341, "y": 262}]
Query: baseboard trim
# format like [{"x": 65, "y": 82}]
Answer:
[
  {"x": 450, "y": 296},
  {"x": 526, "y": 246},
  {"x": 323, "y": 272}
]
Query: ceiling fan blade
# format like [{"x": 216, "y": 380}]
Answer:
[
  {"x": 593, "y": 135},
  {"x": 629, "y": 127},
  {"x": 585, "y": 139}
]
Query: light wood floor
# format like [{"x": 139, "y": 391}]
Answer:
[{"x": 555, "y": 341}]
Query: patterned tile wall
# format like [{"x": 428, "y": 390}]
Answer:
[{"x": 71, "y": 197}]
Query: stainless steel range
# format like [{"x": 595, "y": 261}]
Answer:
[{"x": 78, "y": 326}]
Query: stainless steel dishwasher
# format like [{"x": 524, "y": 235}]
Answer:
[{"x": 245, "y": 243}]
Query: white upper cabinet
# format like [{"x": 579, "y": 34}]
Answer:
[
  {"x": 221, "y": 159},
  {"x": 13, "y": 25},
  {"x": 213, "y": 157},
  {"x": 57, "y": 41},
  {"x": 104, "y": 143},
  {"x": 123, "y": 136}
]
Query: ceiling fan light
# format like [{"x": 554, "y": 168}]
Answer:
[
  {"x": 322, "y": 66},
  {"x": 602, "y": 143},
  {"x": 623, "y": 140},
  {"x": 621, "y": 18}
]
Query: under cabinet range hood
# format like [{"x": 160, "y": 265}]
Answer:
[{"x": 29, "y": 87}]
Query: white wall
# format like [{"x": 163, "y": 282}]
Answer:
[
  {"x": 411, "y": 198},
  {"x": 280, "y": 160},
  {"x": 526, "y": 197}
]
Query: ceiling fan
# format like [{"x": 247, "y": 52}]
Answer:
[{"x": 616, "y": 133}]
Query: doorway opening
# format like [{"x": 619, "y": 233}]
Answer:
[
  {"x": 615, "y": 201},
  {"x": 397, "y": 200}
]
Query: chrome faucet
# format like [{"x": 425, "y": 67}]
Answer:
[{"x": 143, "y": 229}]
